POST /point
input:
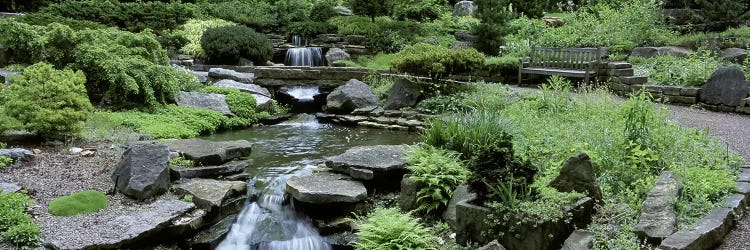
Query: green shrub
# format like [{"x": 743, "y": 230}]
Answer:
[
  {"x": 5, "y": 161},
  {"x": 370, "y": 8},
  {"x": 323, "y": 10},
  {"x": 727, "y": 11},
  {"x": 169, "y": 121},
  {"x": 291, "y": 11},
  {"x": 240, "y": 103},
  {"x": 258, "y": 14},
  {"x": 133, "y": 16},
  {"x": 483, "y": 138},
  {"x": 384, "y": 34},
  {"x": 25, "y": 42},
  {"x": 42, "y": 19},
  {"x": 11, "y": 218},
  {"x": 501, "y": 63},
  {"x": 226, "y": 45},
  {"x": 691, "y": 71},
  {"x": 435, "y": 61},
  {"x": 309, "y": 29},
  {"x": 440, "y": 104},
  {"x": 419, "y": 10},
  {"x": 50, "y": 102},
  {"x": 494, "y": 16},
  {"x": 85, "y": 202},
  {"x": 16, "y": 227},
  {"x": 467, "y": 23},
  {"x": 437, "y": 172},
  {"x": 192, "y": 32},
  {"x": 24, "y": 235},
  {"x": 506, "y": 214},
  {"x": 702, "y": 188},
  {"x": 531, "y": 8},
  {"x": 15, "y": 202},
  {"x": 387, "y": 228}
]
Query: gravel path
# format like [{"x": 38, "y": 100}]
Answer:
[{"x": 732, "y": 129}]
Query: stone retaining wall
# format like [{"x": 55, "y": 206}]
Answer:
[
  {"x": 623, "y": 82},
  {"x": 353, "y": 44}
]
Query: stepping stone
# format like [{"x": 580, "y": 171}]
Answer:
[
  {"x": 378, "y": 159},
  {"x": 658, "y": 218},
  {"x": 225, "y": 169},
  {"x": 210, "y": 153},
  {"x": 7, "y": 187},
  {"x": 209, "y": 194},
  {"x": 324, "y": 188}
]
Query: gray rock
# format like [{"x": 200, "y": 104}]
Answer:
[
  {"x": 361, "y": 174},
  {"x": 212, "y": 237},
  {"x": 343, "y": 10},
  {"x": 658, "y": 218},
  {"x": 579, "y": 240},
  {"x": 5, "y": 76},
  {"x": 380, "y": 158},
  {"x": 648, "y": 52},
  {"x": 726, "y": 86},
  {"x": 707, "y": 234},
  {"x": 220, "y": 74},
  {"x": 493, "y": 245},
  {"x": 403, "y": 94},
  {"x": 553, "y": 21},
  {"x": 577, "y": 174},
  {"x": 262, "y": 102},
  {"x": 244, "y": 87},
  {"x": 215, "y": 102},
  {"x": 209, "y": 194},
  {"x": 17, "y": 154},
  {"x": 229, "y": 168},
  {"x": 119, "y": 230},
  {"x": 470, "y": 222},
  {"x": 209, "y": 153},
  {"x": 143, "y": 170},
  {"x": 353, "y": 95},
  {"x": 407, "y": 198},
  {"x": 7, "y": 187},
  {"x": 201, "y": 76},
  {"x": 461, "y": 193},
  {"x": 323, "y": 188},
  {"x": 464, "y": 8},
  {"x": 735, "y": 55},
  {"x": 336, "y": 54}
]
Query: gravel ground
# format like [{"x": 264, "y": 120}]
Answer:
[{"x": 732, "y": 129}]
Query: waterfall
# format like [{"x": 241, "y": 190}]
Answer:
[
  {"x": 303, "y": 55},
  {"x": 270, "y": 224},
  {"x": 303, "y": 93}
]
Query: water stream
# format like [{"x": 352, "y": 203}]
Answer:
[
  {"x": 279, "y": 152},
  {"x": 302, "y": 55}
]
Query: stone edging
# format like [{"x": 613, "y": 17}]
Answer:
[{"x": 710, "y": 230}]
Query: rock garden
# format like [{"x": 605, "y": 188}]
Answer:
[{"x": 357, "y": 124}]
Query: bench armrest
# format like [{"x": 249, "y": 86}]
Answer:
[{"x": 524, "y": 61}]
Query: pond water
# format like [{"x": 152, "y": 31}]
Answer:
[{"x": 279, "y": 152}]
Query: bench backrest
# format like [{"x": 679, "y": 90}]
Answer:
[{"x": 565, "y": 58}]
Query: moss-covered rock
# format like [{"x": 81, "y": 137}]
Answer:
[{"x": 85, "y": 202}]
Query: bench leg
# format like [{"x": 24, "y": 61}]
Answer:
[
  {"x": 587, "y": 78},
  {"x": 519, "y": 78}
]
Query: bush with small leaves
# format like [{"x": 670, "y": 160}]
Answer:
[
  {"x": 436, "y": 61},
  {"x": 192, "y": 32},
  {"x": 24, "y": 235},
  {"x": 50, "y": 102},
  {"x": 5, "y": 161},
  {"x": 16, "y": 227},
  {"x": 226, "y": 45}
]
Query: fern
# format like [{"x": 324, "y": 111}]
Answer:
[
  {"x": 389, "y": 229},
  {"x": 438, "y": 172}
]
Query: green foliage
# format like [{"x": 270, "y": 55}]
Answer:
[
  {"x": 181, "y": 162},
  {"x": 25, "y": 42},
  {"x": 370, "y": 8},
  {"x": 192, "y": 32},
  {"x": 494, "y": 16},
  {"x": 702, "y": 188},
  {"x": 309, "y": 29},
  {"x": 5, "y": 161},
  {"x": 443, "y": 104},
  {"x": 387, "y": 229},
  {"x": 516, "y": 208},
  {"x": 691, "y": 71},
  {"x": 85, "y": 202},
  {"x": 484, "y": 139},
  {"x": 384, "y": 34},
  {"x": 728, "y": 11},
  {"x": 240, "y": 103},
  {"x": 16, "y": 227},
  {"x": 132, "y": 16},
  {"x": 437, "y": 172},
  {"x": 50, "y": 102},
  {"x": 531, "y": 8},
  {"x": 258, "y": 14},
  {"x": 187, "y": 198},
  {"x": 380, "y": 85},
  {"x": 290, "y": 11},
  {"x": 730, "y": 38},
  {"x": 42, "y": 19},
  {"x": 379, "y": 61},
  {"x": 419, "y": 10},
  {"x": 226, "y": 45},
  {"x": 170, "y": 121},
  {"x": 501, "y": 63},
  {"x": 322, "y": 10},
  {"x": 436, "y": 61}
]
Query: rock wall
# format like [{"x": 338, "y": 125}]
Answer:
[{"x": 354, "y": 45}]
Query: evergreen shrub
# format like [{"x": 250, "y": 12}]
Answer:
[{"x": 226, "y": 45}]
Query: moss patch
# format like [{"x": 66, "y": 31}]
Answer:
[{"x": 85, "y": 202}]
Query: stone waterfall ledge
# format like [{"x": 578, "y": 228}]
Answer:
[
  {"x": 711, "y": 229},
  {"x": 389, "y": 119}
]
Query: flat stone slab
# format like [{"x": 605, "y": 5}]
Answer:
[
  {"x": 323, "y": 188},
  {"x": 658, "y": 217},
  {"x": 579, "y": 240},
  {"x": 219, "y": 74},
  {"x": 381, "y": 158},
  {"x": 215, "y": 102},
  {"x": 210, "y": 153},
  {"x": 208, "y": 194},
  {"x": 244, "y": 87},
  {"x": 116, "y": 230},
  {"x": 211, "y": 238},
  {"x": 7, "y": 187},
  {"x": 707, "y": 234},
  {"x": 17, "y": 154},
  {"x": 225, "y": 169}
]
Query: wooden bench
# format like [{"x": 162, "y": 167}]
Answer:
[{"x": 570, "y": 62}]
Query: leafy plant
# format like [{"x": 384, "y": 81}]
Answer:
[
  {"x": 5, "y": 161},
  {"x": 323, "y": 10},
  {"x": 192, "y": 31},
  {"x": 170, "y": 121},
  {"x": 691, "y": 71},
  {"x": 187, "y": 198},
  {"x": 309, "y": 29},
  {"x": 387, "y": 228},
  {"x": 16, "y": 227},
  {"x": 370, "y": 8},
  {"x": 435, "y": 61},
  {"x": 438, "y": 172},
  {"x": 240, "y": 103},
  {"x": 50, "y": 102},
  {"x": 85, "y": 202},
  {"x": 181, "y": 162},
  {"x": 226, "y": 45},
  {"x": 258, "y": 14},
  {"x": 24, "y": 235},
  {"x": 419, "y": 10},
  {"x": 133, "y": 16}
]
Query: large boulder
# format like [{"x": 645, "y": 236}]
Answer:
[
  {"x": 143, "y": 170},
  {"x": 209, "y": 194},
  {"x": 577, "y": 174},
  {"x": 117, "y": 230},
  {"x": 225, "y": 169},
  {"x": 404, "y": 93},
  {"x": 380, "y": 159},
  {"x": 353, "y": 95},
  {"x": 215, "y": 102},
  {"x": 658, "y": 218},
  {"x": 336, "y": 54},
  {"x": 460, "y": 194},
  {"x": 407, "y": 198},
  {"x": 210, "y": 153},
  {"x": 464, "y": 8},
  {"x": 579, "y": 240},
  {"x": 648, "y": 52},
  {"x": 326, "y": 188},
  {"x": 244, "y": 87},
  {"x": 221, "y": 74},
  {"x": 726, "y": 86},
  {"x": 735, "y": 55},
  {"x": 17, "y": 154}
]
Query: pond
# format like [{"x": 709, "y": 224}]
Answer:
[{"x": 279, "y": 152}]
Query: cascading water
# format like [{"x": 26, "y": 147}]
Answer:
[
  {"x": 302, "y": 99},
  {"x": 303, "y": 93},
  {"x": 302, "y": 55}
]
